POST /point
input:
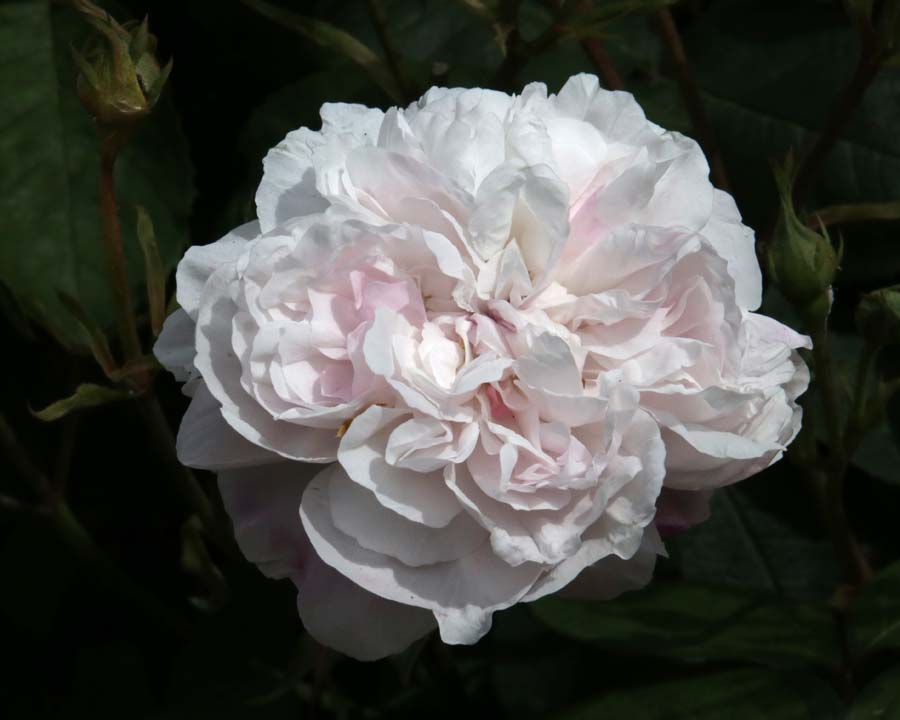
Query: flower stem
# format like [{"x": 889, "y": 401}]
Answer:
[
  {"x": 847, "y": 548},
  {"x": 115, "y": 251},
  {"x": 706, "y": 136}
]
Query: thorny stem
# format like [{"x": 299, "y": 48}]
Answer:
[
  {"x": 115, "y": 252},
  {"x": 706, "y": 136},
  {"x": 111, "y": 141}
]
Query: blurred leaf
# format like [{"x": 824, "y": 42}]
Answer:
[
  {"x": 154, "y": 274},
  {"x": 742, "y": 546},
  {"x": 693, "y": 622},
  {"x": 597, "y": 19},
  {"x": 429, "y": 32},
  {"x": 879, "y": 452},
  {"x": 335, "y": 40},
  {"x": 531, "y": 685},
  {"x": 735, "y": 694},
  {"x": 96, "y": 338},
  {"x": 773, "y": 49},
  {"x": 86, "y": 395},
  {"x": 49, "y": 211},
  {"x": 880, "y": 699},
  {"x": 875, "y": 615}
]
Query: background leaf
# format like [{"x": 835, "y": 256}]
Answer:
[
  {"x": 699, "y": 623},
  {"x": 743, "y": 546},
  {"x": 880, "y": 699},
  {"x": 49, "y": 216},
  {"x": 736, "y": 694},
  {"x": 876, "y": 613}
]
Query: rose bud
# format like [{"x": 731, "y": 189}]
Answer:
[
  {"x": 801, "y": 261},
  {"x": 119, "y": 79},
  {"x": 878, "y": 316}
]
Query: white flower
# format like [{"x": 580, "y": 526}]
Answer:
[{"x": 507, "y": 323}]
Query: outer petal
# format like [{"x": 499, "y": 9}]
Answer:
[
  {"x": 734, "y": 241},
  {"x": 678, "y": 510},
  {"x": 201, "y": 261},
  {"x": 205, "y": 441},
  {"x": 462, "y": 594},
  {"x": 289, "y": 185},
  {"x": 616, "y": 114},
  {"x": 356, "y": 512},
  {"x": 613, "y": 575},
  {"x": 340, "y": 614},
  {"x": 175, "y": 346},
  {"x": 264, "y": 503},
  {"x": 217, "y": 362}
]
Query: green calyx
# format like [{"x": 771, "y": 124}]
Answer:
[
  {"x": 878, "y": 316},
  {"x": 119, "y": 79},
  {"x": 801, "y": 261}
]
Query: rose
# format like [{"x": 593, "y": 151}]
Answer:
[{"x": 519, "y": 330}]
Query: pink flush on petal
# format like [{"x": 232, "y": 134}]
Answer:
[
  {"x": 499, "y": 409},
  {"x": 373, "y": 289}
]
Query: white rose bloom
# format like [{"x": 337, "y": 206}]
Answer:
[{"x": 507, "y": 323}]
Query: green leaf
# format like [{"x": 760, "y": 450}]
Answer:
[
  {"x": 875, "y": 615},
  {"x": 49, "y": 210},
  {"x": 333, "y": 39},
  {"x": 96, "y": 338},
  {"x": 752, "y": 100},
  {"x": 599, "y": 17},
  {"x": 735, "y": 694},
  {"x": 86, "y": 395},
  {"x": 154, "y": 274},
  {"x": 880, "y": 699},
  {"x": 742, "y": 546},
  {"x": 693, "y": 622},
  {"x": 429, "y": 32},
  {"x": 879, "y": 452}
]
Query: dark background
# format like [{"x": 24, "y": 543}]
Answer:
[{"x": 747, "y": 618}]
